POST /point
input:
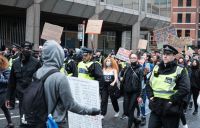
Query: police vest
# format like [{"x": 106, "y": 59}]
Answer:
[
  {"x": 62, "y": 70},
  {"x": 11, "y": 62},
  {"x": 163, "y": 85},
  {"x": 83, "y": 70}
]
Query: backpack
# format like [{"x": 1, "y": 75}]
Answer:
[{"x": 34, "y": 107}]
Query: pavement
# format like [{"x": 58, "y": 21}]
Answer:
[{"x": 109, "y": 121}]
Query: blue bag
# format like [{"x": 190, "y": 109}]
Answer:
[{"x": 51, "y": 122}]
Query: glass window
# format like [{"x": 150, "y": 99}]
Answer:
[
  {"x": 199, "y": 16},
  {"x": 199, "y": 34},
  {"x": 180, "y": 3},
  {"x": 179, "y": 18},
  {"x": 188, "y": 2},
  {"x": 179, "y": 33},
  {"x": 188, "y": 18},
  {"x": 156, "y": 7},
  {"x": 187, "y": 33}
]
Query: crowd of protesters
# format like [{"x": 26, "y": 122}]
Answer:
[{"x": 117, "y": 78}]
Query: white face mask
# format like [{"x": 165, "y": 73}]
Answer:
[{"x": 108, "y": 64}]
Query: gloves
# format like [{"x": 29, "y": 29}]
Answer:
[{"x": 94, "y": 112}]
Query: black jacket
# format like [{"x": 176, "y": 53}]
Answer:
[
  {"x": 182, "y": 82},
  {"x": 129, "y": 78},
  {"x": 71, "y": 67},
  {"x": 195, "y": 76},
  {"x": 21, "y": 76}
]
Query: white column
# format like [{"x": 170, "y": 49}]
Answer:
[
  {"x": 33, "y": 24},
  {"x": 135, "y": 35}
]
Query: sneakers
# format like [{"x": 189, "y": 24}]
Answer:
[
  {"x": 117, "y": 114},
  {"x": 143, "y": 121},
  {"x": 195, "y": 112},
  {"x": 124, "y": 117},
  {"x": 190, "y": 105},
  {"x": 185, "y": 126},
  {"x": 10, "y": 125}
]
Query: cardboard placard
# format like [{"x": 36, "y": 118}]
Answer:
[
  {"x": 52, "y": 32},
  {"x": 142, "y": 44},
  {"x": 179, "y": 42},
  {"x": 161, "y": 35},
  {"x": 123, "y": 54},
  {"x": 94, "y": 26}
]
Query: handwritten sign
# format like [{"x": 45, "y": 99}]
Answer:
[
  {"x": 123, "y": 54},
  {"x": 86, "y": 93},
  {"x": 94, "y": 26},
  {"x": 52, "y": 32},
  {"x": 179, "y": 42},
  {"x": 161, "y": 35},
  {"x": 142, "y": 44}
]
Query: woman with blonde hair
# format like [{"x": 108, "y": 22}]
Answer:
[
  {"x": 110, "y": 73},
  {"x": 4, "y": 76}
]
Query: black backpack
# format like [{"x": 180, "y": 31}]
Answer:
[{"x": 34, "y": 107}]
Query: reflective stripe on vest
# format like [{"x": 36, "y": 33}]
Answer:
[
  {"x": 163, "y": 85},
  {"x": 83, "y": 71}
]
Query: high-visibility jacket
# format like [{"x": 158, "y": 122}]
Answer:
[
  {"x": 163, "y": 85},
  {"x": 62, "y": 70},
  {"x": 83, "y": 70}
]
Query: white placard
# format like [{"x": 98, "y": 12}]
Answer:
[{"x": 86, "y": 93}]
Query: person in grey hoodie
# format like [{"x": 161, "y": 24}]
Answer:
[{"x": 57, "y": 86}]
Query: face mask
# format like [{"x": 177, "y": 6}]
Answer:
[
  {"x": 133, "y": 63},
  {"x": 108, "y": 64},
  {"x": 26, "y": 54}
]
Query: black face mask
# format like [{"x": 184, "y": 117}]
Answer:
[
  {"x": 133, "y": 63},
  {"x": 26, "y": 54}
]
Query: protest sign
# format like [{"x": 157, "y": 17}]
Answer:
[
  {"x": 179, "y": 42},
  {"x": 123, "y": 54},
  {"x": 161, "y": 35},
  {"x": 142, "y": 44},
  {"x": 94, "y": 26},
  {"x": 52, "y": 32},
  {"x": 159, "y": 45},
  {"x": 86, "y": 93}
]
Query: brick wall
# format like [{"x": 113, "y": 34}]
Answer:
[{"x": 192, "y": 26}]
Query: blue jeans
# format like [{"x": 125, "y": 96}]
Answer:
[{"x": 142, "y": 108}]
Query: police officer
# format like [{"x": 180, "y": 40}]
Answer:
[
  {"x": 167, "y": 89},
  {"x": 89, "y": 69},
  {"x": 21, "y": 74}
]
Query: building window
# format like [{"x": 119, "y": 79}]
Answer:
[
  {"x": 179, "y": 33},
  {"x": 180, "y": 3},
  {"x": 187, "y": 33},
  {"x": 179, "y": 19},
  {"x": 188, "y": 18},
  {"x": 188, "y": 3},
  {"x": 199, "y": 34}
]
